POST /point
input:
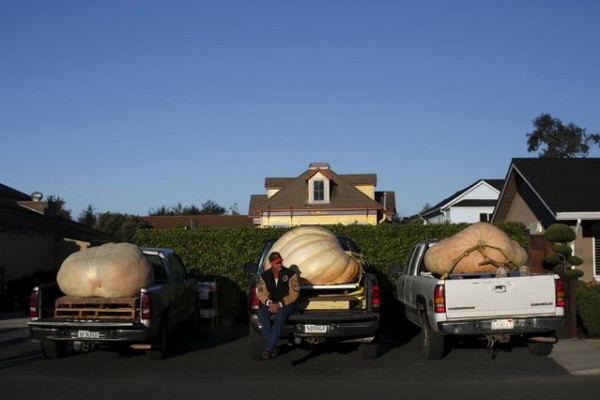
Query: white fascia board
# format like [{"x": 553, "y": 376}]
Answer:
[{"x": 574, "y": 215}]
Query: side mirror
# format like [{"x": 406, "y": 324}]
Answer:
[{"x": 250, "y": 267}]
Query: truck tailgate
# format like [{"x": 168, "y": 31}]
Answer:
[{"x": 500, "y": 297}]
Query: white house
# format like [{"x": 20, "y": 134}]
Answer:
[{"x": 475, "y": 203}]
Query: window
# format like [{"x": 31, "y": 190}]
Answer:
[
  {"x": 319, "y": 190},
  {"x": 177, "y": 267},
  {"x": 485, "y": 217},
  {"x": 160, "y": 275}
]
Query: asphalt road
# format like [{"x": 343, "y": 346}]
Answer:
[{"x": 215, "y": 365}]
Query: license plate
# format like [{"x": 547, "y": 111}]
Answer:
[
  {"x": 88, "y": 334},
  {"x": 503, "y": 324},
  {"x": 315, "y": 328}
]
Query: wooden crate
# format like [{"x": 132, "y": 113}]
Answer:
[{"x": 95, "y": 307}]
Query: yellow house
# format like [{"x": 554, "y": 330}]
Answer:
[{"x": 319, "y": 196}]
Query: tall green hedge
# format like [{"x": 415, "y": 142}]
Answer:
[
  {"x": 587, "y": 300},
  {"x": 220, "y": 253}
]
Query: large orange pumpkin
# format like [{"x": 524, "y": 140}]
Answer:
[
  {"x": 318, "y": 255},
  {"x": 111, "y": 270},
  {"x": 471, "y": 250}
]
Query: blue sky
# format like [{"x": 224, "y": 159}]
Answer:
[{"x": 132, "y": 105}]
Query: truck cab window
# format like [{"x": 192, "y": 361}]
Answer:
[{"x": 160, "y": 275}]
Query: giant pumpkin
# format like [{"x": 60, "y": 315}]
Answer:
[
  {"x": 479, "y": 248},
  {"x": 318, "y": 255},
  {"x": 109, "y": 270}
]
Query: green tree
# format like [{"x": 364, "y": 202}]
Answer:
[
  {"x": 209, "y": 207},
  {"x": 58, "y": 204},
  {"x": 233, "y": 209},
  {"x": 561, "y": 260},
  {"x": 191, "y": 210},
  {"x": 88, "y": 216},
  {"x": 556, "y": 140},
  {"x": 121, "y": 226}
]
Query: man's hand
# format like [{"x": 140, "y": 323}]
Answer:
[{"x": 274, "y": 307}]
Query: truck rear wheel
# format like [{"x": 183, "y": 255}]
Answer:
[
  {"x": 159, "y": 347},
  {"x": 540, "y": 348},
  {"x": 194, "y": 324},
  {"x": 369, "y": 351},
  {"x": 257, "y": 344},
  {"x": 53, "y": 349},
  {"x": 434, "y": 345}
]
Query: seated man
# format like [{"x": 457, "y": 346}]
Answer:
[{"x": 278, "y": 289}]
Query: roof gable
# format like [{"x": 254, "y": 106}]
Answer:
[
  {"x": 460, "y": 198},
  {"x": 562, "y": 185},
  {"x": 294, "y": 192}
]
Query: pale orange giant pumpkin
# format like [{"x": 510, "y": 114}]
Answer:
[
  {"x": 441, "y": 258},
  {"x": 111, "y": 270},
  {"x": 318, "y": 255}
]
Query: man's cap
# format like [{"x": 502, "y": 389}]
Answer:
[{"x": 274, "y": 256}]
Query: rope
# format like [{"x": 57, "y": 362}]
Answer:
[{"x": 480, "y": 247}]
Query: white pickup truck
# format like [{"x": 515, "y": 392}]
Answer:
[{"x": 497, "y": 308}]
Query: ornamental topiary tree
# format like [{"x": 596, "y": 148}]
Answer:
[{"x": 561, "y": 260}]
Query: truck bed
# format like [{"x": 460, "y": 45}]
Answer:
[
  {"x": 98, "y": 308},
  {"x": 347, "y": 296}
]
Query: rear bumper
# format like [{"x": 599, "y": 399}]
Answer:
[
  {"x": 96, "y": 333},
  {"x": 357, "y": 327},
  {"x": 484, "y": 327}
]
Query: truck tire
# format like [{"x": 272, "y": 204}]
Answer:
[
  {"x": 257, "y": 344},
  {"x": 540, "y": 348},
  {"x": 160, "y": 345},
  {"x": 53, "y": 349},
  {"x": 194, "y": 324},
  {"x": 434, "y": 345},
  {"x": 369, "y": 351}
]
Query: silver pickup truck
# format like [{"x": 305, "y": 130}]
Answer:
[
  {"x": 143, "y": 322},
  {"x": 529, "y": 308}
]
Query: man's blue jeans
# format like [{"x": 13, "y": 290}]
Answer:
[{"x": 271, "y": 331}]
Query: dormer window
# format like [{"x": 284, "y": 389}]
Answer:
[{"x": 318, "y": 189}]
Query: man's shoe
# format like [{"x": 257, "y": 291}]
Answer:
[
  {"x": 274, "y": 353},
  {"x": 266, "y": 354}
]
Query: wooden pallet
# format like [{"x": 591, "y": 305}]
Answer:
[{"x": 95, "y": 307}]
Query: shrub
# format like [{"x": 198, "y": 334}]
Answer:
[
  {"x": 587, "y": 300},
  {"x": 220, "y": 253}
]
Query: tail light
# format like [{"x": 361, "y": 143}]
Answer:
[
  {"x": 253, "y": 299},
  {"x": 375, "y": 296},
  {"x": 560, "y": 292},
  {"x": 146, "y": 308},
  {"x": 439, "y": 299},
  {"x": 34, "y": 303}
]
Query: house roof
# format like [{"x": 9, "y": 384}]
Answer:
[
  {"x": 211, "y": 221},
  {"x": 17, "y": 218},
  {"x": 565, "y": 186},
  {"x": 454, "y": 200},
  {"x": 10, "y": 193},
  {"x": 293, "y": 193}
]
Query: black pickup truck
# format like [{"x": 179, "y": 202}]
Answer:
[
  {"x": 346, "y": 312},
  {"x": 143, "y": 322}
]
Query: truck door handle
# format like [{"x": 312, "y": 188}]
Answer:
[{"x": 499, "y": 289}]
